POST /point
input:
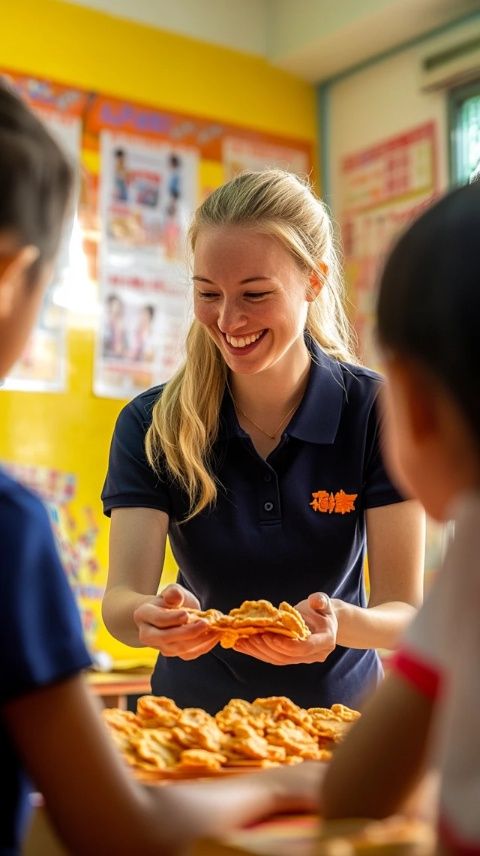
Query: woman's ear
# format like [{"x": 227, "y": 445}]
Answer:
[
  {"x": 316, "y": 281},
  {"x": 13, "y": 268}
]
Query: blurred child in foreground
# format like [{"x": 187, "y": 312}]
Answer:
[
  {"x": 50, "y": 730},
  {"x": 426, "y": 713}
]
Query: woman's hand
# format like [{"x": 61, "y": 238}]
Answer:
[
  {"x": 319, "y": 614},
  {"x": 164, "y": 624}
]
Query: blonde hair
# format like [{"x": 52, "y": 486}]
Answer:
[{"x": 185, "y": 418}]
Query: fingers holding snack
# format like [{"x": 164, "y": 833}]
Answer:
[
  {"x": 175, "y": 596},
  {"x": 174, "y": 632},
  {"x": 282, "y": 651},
  {"x": 318, "y": 612}
]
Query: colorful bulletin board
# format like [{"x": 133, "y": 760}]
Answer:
[
  {"x": 382, "y": 188},
  {"x": 142, "y": 171}
]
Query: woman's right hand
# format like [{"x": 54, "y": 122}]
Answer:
[{"x": 164, "y": 624}]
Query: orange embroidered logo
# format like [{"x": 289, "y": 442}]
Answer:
[{"x": 339, "y": 502}]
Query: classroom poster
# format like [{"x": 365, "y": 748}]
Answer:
[
  {"x": 239, "y": 155},
  {"x": 148, "y": 192},
  {"x": 381, "y": 189}
]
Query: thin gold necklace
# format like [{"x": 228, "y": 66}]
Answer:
[{"x": 252, "y": 421}]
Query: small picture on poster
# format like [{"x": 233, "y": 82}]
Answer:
[
  {"x": 143, "y": 318},
  {"x": 148, "y": 192}
]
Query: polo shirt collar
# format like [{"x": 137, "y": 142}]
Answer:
[{"x": 318, "y": 417}]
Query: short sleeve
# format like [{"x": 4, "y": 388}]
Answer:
[
  {"x": 421, "y": 658},
  {"x": 445, "y": 637},
  {"x": 378, "y": 488},
  {"x": 131, "y": 482},
  {"x": 41, "y": 636}
]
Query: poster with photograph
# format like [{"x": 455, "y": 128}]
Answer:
[
  {"x": 239, "y": 155},
  {"x": 42, "y": 366},
  {"x": 381, "y": 190},
  {"x": 148, "y": 192},
  {"x": 143, "y": 319}
]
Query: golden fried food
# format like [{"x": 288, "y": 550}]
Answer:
[
  {"x": 164, "y": 740},
  {"x": 201, "y": 760},
  {"x": 251, "y": 618},
  {"x": 154, "y": 711}
]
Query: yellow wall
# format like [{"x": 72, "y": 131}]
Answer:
[
  {"x": 71, "y": 431},
  {"x": 79, "y": 46}
]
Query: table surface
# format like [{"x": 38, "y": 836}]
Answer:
[{"x": 119, "y": 683}]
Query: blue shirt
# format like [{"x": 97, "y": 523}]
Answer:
[
  {"x": 41, "y": 639},
  {"x": 281, "y": 529}
]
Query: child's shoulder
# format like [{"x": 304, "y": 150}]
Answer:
[{"x": 19, "y": 507}]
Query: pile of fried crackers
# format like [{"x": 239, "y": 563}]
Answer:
[
  {"x": 251, "y": 618},
  {"x": 165, "y": 741}
]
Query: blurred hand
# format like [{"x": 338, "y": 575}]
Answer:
[
  {"x": 296, "y": 787},
  {"x": 319, "y": 615},
  {"x": 164, "y": 624}
]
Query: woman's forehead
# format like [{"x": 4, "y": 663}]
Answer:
[{"x": 239, "y": 246}]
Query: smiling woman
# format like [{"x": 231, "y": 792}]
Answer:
[{"x": 261, "y": 460}]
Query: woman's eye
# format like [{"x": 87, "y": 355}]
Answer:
[
  {"x": 206, "y": 295},
  {"x": 256, "y": 295}
]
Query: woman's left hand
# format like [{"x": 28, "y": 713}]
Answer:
[{"x": 319, "y": 614}]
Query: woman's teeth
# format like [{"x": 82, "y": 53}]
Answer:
[{"x": 242, "y": 341}]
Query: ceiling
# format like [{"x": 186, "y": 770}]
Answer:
[{"x": 312, "y": 39}]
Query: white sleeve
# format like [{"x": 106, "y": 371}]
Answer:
[
  {"x": 440, "y": 655},
  {"x": 459, "y": 737}
]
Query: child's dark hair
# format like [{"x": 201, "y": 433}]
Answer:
[
  {"x": 36, "y": 179},
  {"x": 429, "y": 301}
]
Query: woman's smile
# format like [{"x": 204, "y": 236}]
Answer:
[{"x": 244, "y": 344}]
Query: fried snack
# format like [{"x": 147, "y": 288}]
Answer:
[
  {"x": 332, "y": 723},
  {"x": 395, "y": 834},
  {"x": 201, "y": 760},
  {"x": 155, "y": 747},
  {"x": 164, "y": 741},
  {"x": 199, "y": 729},
  {"x": 251, "y": 618},
  {"x": 155, "y": 711}
]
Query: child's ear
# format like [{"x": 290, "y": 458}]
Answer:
[
  {"x": 421, "y": 401},
  {"x": 13, "y": 268}
]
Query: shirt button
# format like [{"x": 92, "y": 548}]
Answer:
[
  {"x": 268, "y": 506},
  {"x": 267, "y": 477}
]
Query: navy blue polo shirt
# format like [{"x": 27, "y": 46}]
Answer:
[
  {"x": 281, "y": 529},
  {"x": 41, "y": 636}
]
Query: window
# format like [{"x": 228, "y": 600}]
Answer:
[{"x": 464, "y": 132}]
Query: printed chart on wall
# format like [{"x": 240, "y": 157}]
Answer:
[
  {"x": 240, "y": 155},
  {"x": 381, "y": 189},
  {"x": 147, "y": 195}
]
